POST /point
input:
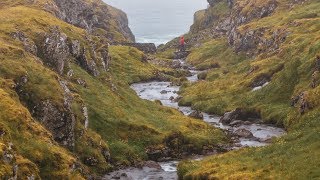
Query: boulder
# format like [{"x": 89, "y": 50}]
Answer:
[
  {"x": 236, "y": 123},
  {"x": 181, "y": 54},
  {"x": 177, "y": 99},
  {"x": 243, "y": 133},
  {"x": 155, "y": 154},
  {"x": 164, "y": 92},
  {"x": 202, "y": 75},
  {"x": 260, "y": 80},
  {"x": 228, "y": 117},
  {"x": 239, "y": 114},
  {"x": 196, "y": 115}
]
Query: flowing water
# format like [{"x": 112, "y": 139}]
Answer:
[{"x": 164, "y": 91}]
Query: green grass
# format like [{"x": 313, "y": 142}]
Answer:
[
  {"x": 294, "y": 156},
  {"x": 130, "y": 124},
  {"x": 119, "y": 121},
  {"x": 229, "y": 87}
]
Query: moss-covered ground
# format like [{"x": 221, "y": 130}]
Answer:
[
  {"x": 119, "y": 121},
  {"x": 294, "y": 156}
]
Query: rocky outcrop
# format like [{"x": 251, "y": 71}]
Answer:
[
  {"x": 59, "y": 122},
  {"x": 92, "y": 16},
  {"x": 57, "y": 118},
  {"x": 55, "y": 49},
  {"x": 149, "y": 48},
  {"x": 80, "y": 54},
  {"x": 254, "y": 41},
  {"x": 209, "y": 24},
  {"x": 302, "y": 102}
]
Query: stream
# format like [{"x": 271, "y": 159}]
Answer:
[{"x": 165, "y": 92}]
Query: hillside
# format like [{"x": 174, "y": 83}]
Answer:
[
  {"x": 261, "y": 57},
  {"x": 67, "y": 110}
]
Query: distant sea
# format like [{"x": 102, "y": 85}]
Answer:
[{"x": 159, "y": 21}]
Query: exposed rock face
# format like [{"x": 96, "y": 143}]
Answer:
[
  {"x": 58, "y": 119},
  {"x": 92, "y": 16},
  {"x": 301, "y": 101},
  {"x": 211, "y": 26},
  {"x": 59, "y": 122},
  {"x": 55, "y": 50},
  {"x": 253, "y": 41},
  {"x": 106, "y": 59},
  {"x": 149, "y": 48},
  {"x": 86, "y": 116},
  {"x": 79, "y": 53}
]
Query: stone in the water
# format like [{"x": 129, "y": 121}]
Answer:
[
  {"x": 164, "y": 92},
  {"x": 177, "y": 99},
  {"x": 236, "y": 123},
  {"x": 228, "y": 117},
  {"x": 152, "y": 164},
  {"x": 196, "y": 115},
  {"x": 243, "y": 133}
]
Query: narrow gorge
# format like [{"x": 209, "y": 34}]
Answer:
[{"x": 81, "y": 99}]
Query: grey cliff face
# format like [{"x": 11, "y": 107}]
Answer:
[
  {"x": 92, "y": 16},
  {"x": 55, "y": 50},
  {"x": 249, "y": 41}
]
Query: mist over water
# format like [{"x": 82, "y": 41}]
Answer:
[{"x": 158, "y": 21}]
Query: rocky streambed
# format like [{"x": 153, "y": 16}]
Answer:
[{"x": 244, "y": 133}]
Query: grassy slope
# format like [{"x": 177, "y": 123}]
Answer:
[
  {"x": 32, "y": 144},
  {"x": 118, "y": 118},
  {"x": 296, "y": 154}
]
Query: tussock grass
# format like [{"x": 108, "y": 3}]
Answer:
[{"x": 293, "y": 156}]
